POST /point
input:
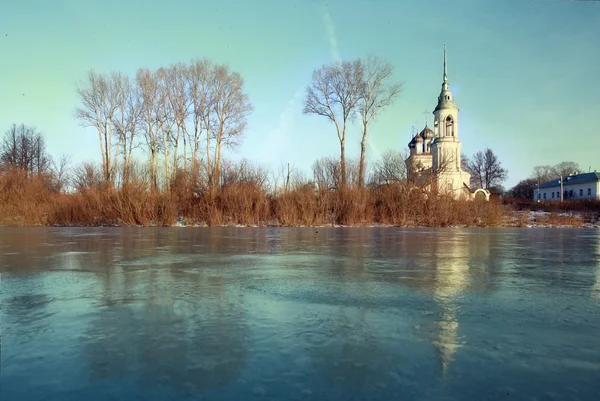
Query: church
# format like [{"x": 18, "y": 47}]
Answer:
[{"x": 435, "y": 156}]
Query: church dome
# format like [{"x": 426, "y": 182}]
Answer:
[
  {"x": 412, "y": 143},
  {"x": 426, "y": 133}
]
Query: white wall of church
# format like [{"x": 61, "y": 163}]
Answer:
[{"x": 446, "y": 156}]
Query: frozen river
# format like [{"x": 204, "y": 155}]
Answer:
[{"x": 299, "y": 314}]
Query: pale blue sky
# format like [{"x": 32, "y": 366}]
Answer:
[{"x": 524, "y": 73}]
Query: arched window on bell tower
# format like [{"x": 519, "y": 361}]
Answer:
[{"x": 449, "y": 126}]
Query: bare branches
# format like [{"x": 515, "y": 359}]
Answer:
[
  {"x": 334, "y": 93},
  {"x": 486, "y": 169},
  {"x": 173, "y": 108},
  {"x": 377, "y": 90},
  {"x": 377, "y": 93},
  {"x": 390, "y": 169},
  {"x": 23, "y": 147},
  {"x": 93, "y": 112}
]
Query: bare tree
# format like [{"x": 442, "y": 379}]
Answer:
[
  {"x": 486, "y": 170},
  {"x": 177, "y": 95},
  {"x": 391, "y": 168},
  {"x": 126, "y": 119},
  {"x": 23, "y": 147},
  {"x": 87, "y": 176},
  {"x": 151, "y": 117},
  {"x": 231, "y": 108},
  {"x": 165, "y": 105},
  {"x": 543, "y": 173},
  {"x": 165, "y": 118},
  {"x": 334, "y": 93},
  {"x": 564, "y": 169},
  {"x": 97, "y": 110},
  {"x": 244, "y": 172},
  {"x": 60, "y": 171},
  {"x": 524, "y": 189},
  {"x": 464, "y": 162},
  {"x": 327, "y": 173},
  {"x": 377, "y": 93},
  {"x": 201, "y": 90}
]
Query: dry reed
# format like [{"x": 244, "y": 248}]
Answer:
[{"x": 31, "y": 200}]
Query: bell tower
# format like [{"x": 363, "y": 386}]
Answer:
[{"x": 446, "y": 148}]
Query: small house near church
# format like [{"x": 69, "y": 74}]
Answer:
[{"x": 572, "y": 187}]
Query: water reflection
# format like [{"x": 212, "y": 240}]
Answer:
[
  {"x": 172, "y": 329},
  {"x": 451, "y": 279},
  {"x": 366, "y": 313}
]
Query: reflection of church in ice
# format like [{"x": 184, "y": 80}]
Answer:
[
  {"x": 450, "y": 281},
  {"x": 435, "y": 155}
]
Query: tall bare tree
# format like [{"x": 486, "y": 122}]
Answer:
[
  {"x": 231, "y": 108},
  {"x": 166, "y": 119},
  {"x": 96, "y": 110},
  {"x": 334, "y": 93},
  {"x": 377, "y": 93},
  {"x": 179, "y": 104},
  {"x": 126, "y": 118},
  {"x": 486, "y": 169},
  {"x": 201, "y": 91},
  {"x": 150, "y": 105}
]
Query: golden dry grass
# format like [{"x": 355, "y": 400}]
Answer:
[{"x": 27, "y": 200}]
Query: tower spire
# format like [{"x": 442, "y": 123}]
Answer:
[{"x": 445, "y": 67}]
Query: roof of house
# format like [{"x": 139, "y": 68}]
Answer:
[{"x": 573, "y": 180}]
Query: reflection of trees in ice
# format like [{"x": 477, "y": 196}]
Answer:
[
  {"x": 347, "y": 355},
  {"x": 170, "y": 329}
]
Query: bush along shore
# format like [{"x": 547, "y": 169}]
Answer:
[{"x": 27, "y": 200}]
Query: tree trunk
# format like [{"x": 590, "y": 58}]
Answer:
[
  {"x": 125, "y": 155},
  {"x": 166, "y": 150},
  {"x": 184, "y": 153},
  {"x": 102, "y": 149},
  {"x": 217, "y": 164},
  {"x": 209, "y": 172},
  {"x": 343, "y": 157},
  {"x": 175, "y": 153},
  {"x": 361, "y": 165},
  {"x": 106, "y": 156},
  {"x": 343, "y": 164}
]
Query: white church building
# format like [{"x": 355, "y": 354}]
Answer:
[{"x": 435, "y": 155}]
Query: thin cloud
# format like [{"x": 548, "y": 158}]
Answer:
[
  {"x": 331, "y": 37},
  {"x": 278, "y": 138}
]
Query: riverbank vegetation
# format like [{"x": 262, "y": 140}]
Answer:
[
  {"x": 248, "y": 195},
  {"x": 252, "y": 195}
]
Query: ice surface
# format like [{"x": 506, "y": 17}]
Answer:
[{"x": 296, "y": 314}]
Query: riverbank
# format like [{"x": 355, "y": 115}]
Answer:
[{"x": 30, "y": 202}]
